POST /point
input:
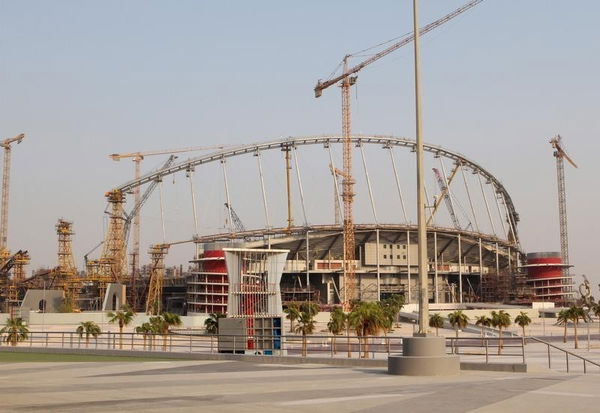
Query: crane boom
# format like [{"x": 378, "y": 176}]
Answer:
[
  {"x": 403, "y": 42},
  {"x": 445, "y": 194},
  {"x": 119, "y": 156},
  {"x": 136, "y": 208},
  {"x": 237, "y": 222}
]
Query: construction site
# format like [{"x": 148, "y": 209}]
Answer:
[{"x": 349, "y": 231}]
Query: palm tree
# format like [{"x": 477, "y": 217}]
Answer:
[
  {"x": 306, "y": 325},
  {"x": 212, "y": 323},
  {"x": 500, "y": 320},
  {"x": 575, "y": 314},
  {"x": 436, "y": 321},
  {"x": 562, "y": 319},
  {"x": 15, "y": 331},
  {"x": 367, "y": 319},
  {"x": 336, "y": 324},
  {"x": 459, "y": 320},
  {"x": 163, "y": 324},
  {"x": 145, "y": 329},
  {"x": 89, "y": 328},
  {"x": 293, "y": 313},
  {"x": 310, "y": 308},
  {"x": 391, "y": 307},
  {"x": 596, "y": 310},
  {"x": 124, "y": 317},
  {"x": 483, "y": 321},
  {"x": 523, "y": 320}
]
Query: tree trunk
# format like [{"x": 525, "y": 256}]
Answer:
[
  {"x": 348, "y": 342},
  {"x": 291, "y": 325},
  {"x": 436, "y": 332},
  {"x": 144, "y": 341},
  {"x": 333, "y": 344},
  {"x": 303, "y": 344},
  {"x": 456, "y": 330},
  {"x": 482, "y": 335},
  {"x": 121, "y": 337},
  {"x": 523, "y": 327},
  {"x": 576, "y": 339},
  {"x": 87, "y": 340},
  {"x": 500, "y": 340},
  {"x": 565, "y": 334}
]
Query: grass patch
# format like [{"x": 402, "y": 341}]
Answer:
[{"x": 9, "y": 357}]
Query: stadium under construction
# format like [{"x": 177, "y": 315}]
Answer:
[{"x": 473, "y": 245}]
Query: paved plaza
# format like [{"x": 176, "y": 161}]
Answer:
[{"x": 232, "y": 386}]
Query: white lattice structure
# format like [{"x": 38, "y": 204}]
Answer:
[{"x": 254, "y": 277}]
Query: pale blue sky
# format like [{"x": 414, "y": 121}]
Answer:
[{"x": 84, "y": 79}]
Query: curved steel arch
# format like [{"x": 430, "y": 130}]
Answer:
[{"x": 383, "y": 140}]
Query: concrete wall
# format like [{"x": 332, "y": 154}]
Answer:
[{"x": 59, "y": 320}]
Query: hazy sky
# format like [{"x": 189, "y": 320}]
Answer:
[{"x": 84, "y": 79}]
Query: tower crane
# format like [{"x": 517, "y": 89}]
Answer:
[
  {"x": 560, "y": 154},
  {"x": 346, "y": 81},
  {"x": 6, "y": 144},
  {"x": 137, "y": 158},
  {"x": 158, "y": 253}
]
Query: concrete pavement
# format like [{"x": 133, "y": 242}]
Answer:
[{"x": 231, "y": 386}]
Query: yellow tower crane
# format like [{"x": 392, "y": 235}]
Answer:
[
  {"x": 158, "y": 253},
  {"x": 346, "y": 80},
  {"x": 560, "y": 154},
  {"x": 6, "y": 144},
  {"x": 66, "y": 272}
]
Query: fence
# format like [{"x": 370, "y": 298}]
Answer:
[{"x": 489, "y": 349}]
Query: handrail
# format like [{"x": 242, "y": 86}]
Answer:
[
  {"x": 567, "y": 354},
  {"x": 297, "y": 345}
]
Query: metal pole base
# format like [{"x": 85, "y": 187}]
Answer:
[{"x": 424, "y": 356}]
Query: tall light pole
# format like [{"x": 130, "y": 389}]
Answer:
[{"x": 421, "y": 221}]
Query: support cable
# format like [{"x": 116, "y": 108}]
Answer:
[
  {"x": 223, "y": 161},
  {"x": 364, "y": 162},
  {"x": 398, "y": 184},
  {"x": 162, "y": 213},
  {"x": 264, "y": 191},
  {"x": 299, "y": 179},
  {"x": 487, "y": 205},
  {"x": 335, "y": 186},
  {"x": 189, "y": 174},
  {"x": 470, "y": 199}
]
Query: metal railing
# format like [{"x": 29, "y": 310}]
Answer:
[
  {"x": 567, "y": 353},
  {"x": 488, "y": 346},
  {"x": 487, "y": 349}
]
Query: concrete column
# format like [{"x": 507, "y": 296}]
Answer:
[
  {"x": 435, "y": 271},
  {"x": 408, "y": 265},
  {"x": 378, "y": 268},
  {"x": 460, "y": 281}
]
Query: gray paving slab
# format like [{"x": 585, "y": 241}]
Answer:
[{"x": 233, "y": 386}]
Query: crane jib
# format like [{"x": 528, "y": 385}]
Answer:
[{"x": 404, "y": 41}]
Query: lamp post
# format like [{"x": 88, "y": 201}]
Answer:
[{"x": 421, "y": 221}]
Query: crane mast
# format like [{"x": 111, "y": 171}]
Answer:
[
  {"x": 561, "y": 155},
  {"x": 348, "y": 192},
  {"x": 6, "y": 144}
]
